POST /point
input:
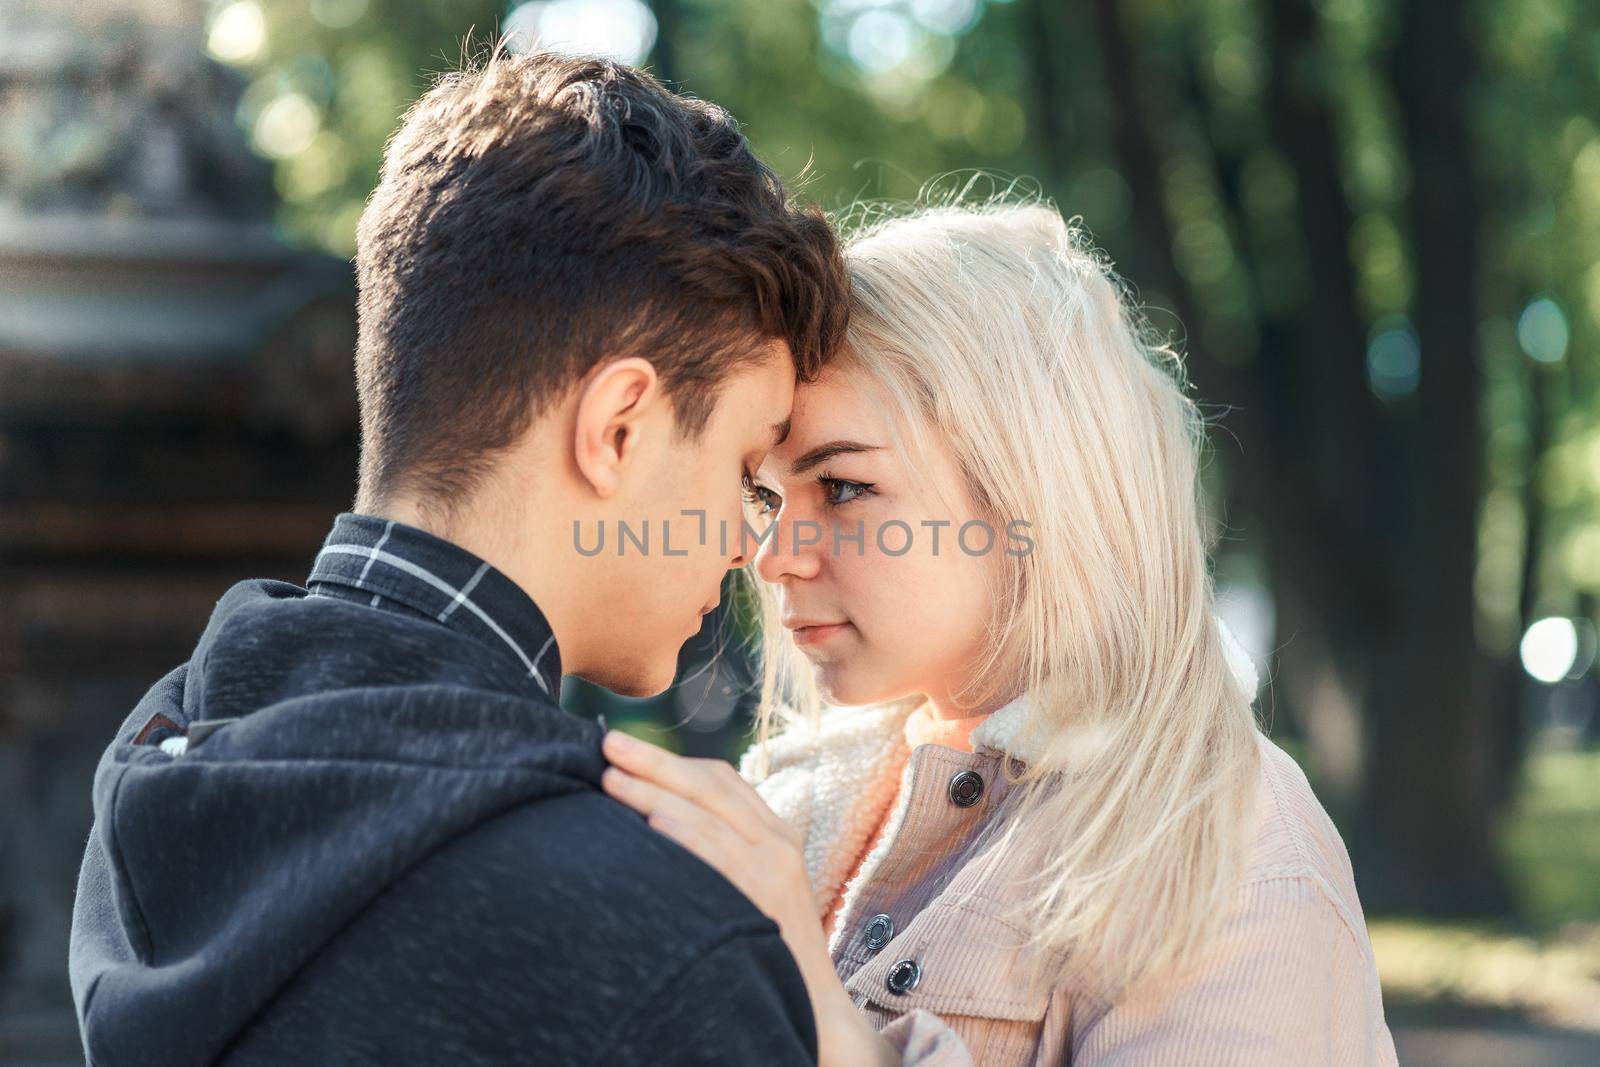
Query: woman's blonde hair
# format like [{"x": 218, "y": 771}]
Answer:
[{"x": 999, "y": 330}]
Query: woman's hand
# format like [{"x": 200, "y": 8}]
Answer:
[{"x": 707, "y": 808}]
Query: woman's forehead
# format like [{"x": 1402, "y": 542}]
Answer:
[{"x": 843, "y": 402}]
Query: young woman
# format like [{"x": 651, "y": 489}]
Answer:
[{"x": 1010, "y": 803}]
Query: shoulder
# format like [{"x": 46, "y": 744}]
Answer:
[
  {"x": 550, "y": 927},
  {"x": 1293, "y": 842},
  {"x": 565, "y": 899},
  {"x": 1294, "y": 920},
  {"x": 572, "y": 894},
  {"x": 1290, "y": 976},
  {"x": 1287, "y": 980},
  {"x": 589, "y": 858}
]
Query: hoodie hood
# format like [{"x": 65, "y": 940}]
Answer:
[{"x": 361, "y": 742}]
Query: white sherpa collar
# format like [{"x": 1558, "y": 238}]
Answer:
[{"x": 835, "y": 780}]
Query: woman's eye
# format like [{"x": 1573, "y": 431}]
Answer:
[
  {"x": 840, "y": 491},
  {"x": 764, "y": 500}
]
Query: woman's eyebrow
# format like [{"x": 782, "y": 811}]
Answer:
[{"x": 822, "y": 453}]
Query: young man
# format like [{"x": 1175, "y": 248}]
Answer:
[{"x": 356, "y": 827}]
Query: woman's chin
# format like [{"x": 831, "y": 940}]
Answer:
[
  {"x": 843, "y": 687},
  {"x": 833, "y": 682}
]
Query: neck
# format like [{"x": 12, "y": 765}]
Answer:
[
  {"x": 511, "y": 541},
  {"x": 943, "y": 703}
]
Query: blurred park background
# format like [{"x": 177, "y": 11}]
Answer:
[{"x": 1374, "y": 225}]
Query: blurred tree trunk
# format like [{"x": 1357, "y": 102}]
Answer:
[
  {"x": 1301, "y": 413},
  {"x": 1141, "y": 167},
  {"x": 1043, "y": 24},
  {"x": 1334, "y": 588},
  {"x": 1436, "y": 706},
  {"x": 1316, "y": 425},
  {"x": 664, "y": 54},
  {"x": 1220, "y": 383},
  {"x": 1369, "y": 516}
]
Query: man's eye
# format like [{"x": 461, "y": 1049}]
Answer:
[
  {"x": 764, "y": 500},
  {"x": 838, "y": 491}
]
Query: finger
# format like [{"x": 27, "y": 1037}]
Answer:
[
  {"x": 657, "y": 802},
  {"x": 700, "y": 831},
  {"x": 742, "y": 792},
  {"x": 711, "y": 784}
]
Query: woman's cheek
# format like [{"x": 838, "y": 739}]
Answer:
[{"x": 890, "y": 611}]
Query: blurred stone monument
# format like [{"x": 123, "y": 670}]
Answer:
[{"x": 176, "y": 413}]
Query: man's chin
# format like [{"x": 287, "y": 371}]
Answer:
[
  {"x": 641, "y": 690},
  {"x": 638, "y": 684}
]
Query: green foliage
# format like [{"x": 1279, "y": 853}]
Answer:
[
  {"x": 649, "y": 730},
  {"x": 1552, "y": 839},
  {"x": 330, "y": 81}
]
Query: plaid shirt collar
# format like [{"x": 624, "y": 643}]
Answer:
[{"x": 390, "y": 565}]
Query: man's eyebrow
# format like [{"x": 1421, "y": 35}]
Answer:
[{"x": 822, "y": 453}]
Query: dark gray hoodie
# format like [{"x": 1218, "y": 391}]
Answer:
[{"x": 396, "y": 853}]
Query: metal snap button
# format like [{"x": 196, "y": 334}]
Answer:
[
  {"x": 879, "y": 931},
  {"x": 966, "y": 789},
  {"x": 903, "y": 977}
]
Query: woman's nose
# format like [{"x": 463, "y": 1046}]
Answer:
[{"x": 790, "y": 548}]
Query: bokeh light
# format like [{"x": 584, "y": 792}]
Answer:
[
  {"x": 946, "y": 16},
  {"x": 897, "y": 45},
  {"x": 881, "y": 40},
  {"x": 1394, "y": 358},
  {"x": 1542, "y": 331},
  {"x": 338, "y": 14},
  {"x": 624, "y": 30},
  {"x": 237, "y": 32},
  {"x": 1549, "y": 649},
  {"x": 287, "y": 126}
]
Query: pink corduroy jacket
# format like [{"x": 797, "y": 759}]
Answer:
[{"x": 925, "y": 948}]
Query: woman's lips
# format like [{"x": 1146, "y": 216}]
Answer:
[{"x": 812, "y": 635}]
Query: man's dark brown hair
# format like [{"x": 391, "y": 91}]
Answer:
[{"x": 539, "y": 214}]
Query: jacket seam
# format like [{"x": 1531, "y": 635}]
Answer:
[
  {"x": 1328, "y": 900},
  {"x": 1277, "y": 805},
  {"x": 1308, "y": 871},
  {"x": 83, "y": 1022},
  {"x": 146, "y": 948}
]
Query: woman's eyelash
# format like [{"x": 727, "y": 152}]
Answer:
[
  {"x": 839, "y": 492},
  {"x": 835, "y": 486}
]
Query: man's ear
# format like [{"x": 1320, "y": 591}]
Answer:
[{"x": 609, "y": 421}]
